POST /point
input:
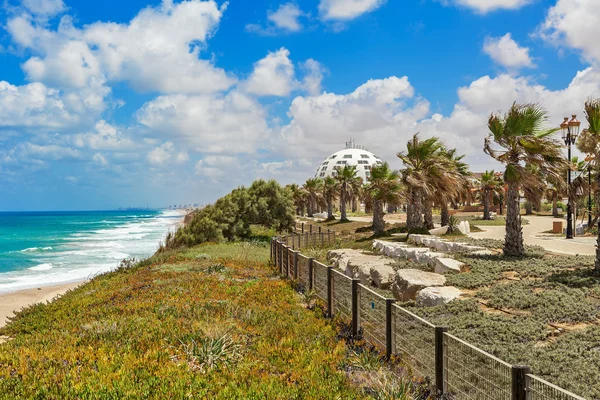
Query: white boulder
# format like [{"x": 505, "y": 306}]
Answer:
[
  {"x": 443, "y": 265},
  {"x": 382, "y": 276},
  {"x": 408, "y": 282},
  {"x": 437, "y": 296},
  {"x": 439, "y": 231}
]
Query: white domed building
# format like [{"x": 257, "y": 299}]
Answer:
[{"x": 353, "y": 154}]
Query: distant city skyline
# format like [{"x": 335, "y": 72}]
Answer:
[{"x": 104, "y": 104}]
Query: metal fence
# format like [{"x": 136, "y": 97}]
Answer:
[{"x": 454, "y": 367}]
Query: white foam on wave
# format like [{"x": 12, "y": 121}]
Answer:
[
  {"x": 85, "y": 254},
  {"x": 42, "y": 267},
  {"x": 32, "y": 249}
]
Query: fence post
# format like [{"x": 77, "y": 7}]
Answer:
[
  {"x": 328, "y": 237},
  {"x": 280, "y": 258},
  {"x": 310, "y": 274},
  {"x": 303, "y": 227},
  {"x": 319, "y": 229},
  {"x": 519, "y": 382},
  {"x": 329, "y": 292},
  {"x": 440, "y": 356},
  {"x": 355, "y": 300},
  {"x": 388, "y": 327},
  {"x": 296, "y": 264},
  {"x": 310, "y": 228},
  {"x": 299, "y": 242}
]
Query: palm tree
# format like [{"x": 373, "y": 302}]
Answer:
[
  {"x": 384, "y": 188},
  {"x": 330, "y": 189},
  {"x": 524, "y": 144},
  {"x": 298, "y": 197},
  {"x": 427, "y": 168},
  {"x": 589, "y": 142},
  {"x": 460, "y": 186},
  {"x": 313, "y": 192},
  {"x": 348, "y": 183},
  {"x": 488, "y": 184}
]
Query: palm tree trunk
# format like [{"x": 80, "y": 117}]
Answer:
[
  {"x": 414, "y": 217},
  {"x": 428, "y": 214},
  {"x": 555, "y": 205},
  {"x": 309, "y": 207},
  {"x": 343, "y": 216},
  {"x": 528, "y": 208},
  {"x": 378, "y": 222},
  {"x": 486, "y": 205},
  {"x": 330, "y": 216},
  {"x": 354, "y": 204},
  {"x": 513, "y": 241},
  {"x": 445, "y": 214}
]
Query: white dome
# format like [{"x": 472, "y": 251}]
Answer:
[{"x": 363, "y": 159}]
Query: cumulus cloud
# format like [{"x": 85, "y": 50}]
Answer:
[
  {"x": 36, "y": 106},
  {"x": 273, "y": 75},
  {"x": 344, "y": 10},
  {"x": 506, "y": 52},
  {"x": 383, "y": 114},
  {"x": 158, "y": 50},
  {"x": 286, "y": 19},
  {"x": 46, "y": 8},
  {"x": 104, "y": 137},
  {"x": 161, "y": 154},
  {"x": 575, "y": 24},
  {"x": 313, "y": 77},
  {"x": 217, "y": 166},
  {"x": 232, "y": 123},
  {"x": 485, "y": 6}
]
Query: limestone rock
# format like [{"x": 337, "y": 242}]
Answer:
[
  {"x": 439, "y": 231},
  {"x": 382, "y": 276},
  {"x": 437, "y": 296},
  {"x": 464, "y": 227},
  {"x": 443, "y": 265},
  {"x": 409, "y": 281},
  {"x": 339, "y": 258},
  {"x": 484, "y": 253}
]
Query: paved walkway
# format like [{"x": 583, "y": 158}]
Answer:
[{"x": 532, "y": 235}]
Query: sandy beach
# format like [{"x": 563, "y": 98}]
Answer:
[{"x": 15, "y": 301}]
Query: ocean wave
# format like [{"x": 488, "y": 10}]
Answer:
[
  {"x": 42, "y": 267},
  {"x": 33, "y": 249}
]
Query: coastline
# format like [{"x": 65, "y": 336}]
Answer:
[{"x": 15, "y": 301}]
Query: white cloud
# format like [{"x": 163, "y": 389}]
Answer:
[
  {"x": 286, "y": 17},
  {"x": 37, "y": 106},
  {"x": 576, "y": 24},
  {"x": 506, "y": 52},
  {"x": 313, "y": 76},
  {"x": 160, "y": 155},
  {"x": 232, "y": 123},
  {"x": 217, "y": 166},
  {"x": 485, "y": 6},
  {"x": 104, "y": 137},
  {"x": 273, "y": 75},
  {"x": 45, "y": 8},
  {"x": 158, "y": 50},
  {"x": 347, "y": 9}
]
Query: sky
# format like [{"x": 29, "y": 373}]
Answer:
[{"x": 133, "y": 103}]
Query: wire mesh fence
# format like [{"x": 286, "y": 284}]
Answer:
[
  {"x": 320, "y": 280},
  {"x": 464, "y": 371},
  {"x": 372, "y": 317},
  {"x": 303, "y": 269},
  {"x": 414, "y": 341},
  {"x": 472, "y": 373},
  {"x": 539, "y": 389},
  {"x": 341, "y": 287}
]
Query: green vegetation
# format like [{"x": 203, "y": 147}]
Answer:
[
  {"x": 205, "y": 322},
  {"x": 231, "y": 217}
]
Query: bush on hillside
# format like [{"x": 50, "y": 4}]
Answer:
[{"x": 230, "y": 217}]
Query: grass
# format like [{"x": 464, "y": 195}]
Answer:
[{"x": 206, "y": 322}]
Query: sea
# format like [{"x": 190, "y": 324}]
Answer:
[{"x": 49, "y": 248}]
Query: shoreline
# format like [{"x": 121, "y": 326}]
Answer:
[{"x": 15, "y": 301}]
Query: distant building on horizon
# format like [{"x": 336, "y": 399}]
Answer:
[{"x": 354, "y": 155}]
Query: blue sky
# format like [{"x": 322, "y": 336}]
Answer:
[{"x": 107, "y": 104}]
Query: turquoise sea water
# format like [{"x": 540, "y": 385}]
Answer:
[{"x": 46, "y": 248}]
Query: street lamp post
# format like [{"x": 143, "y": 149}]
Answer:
[{"x": 570, "y": 131}]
